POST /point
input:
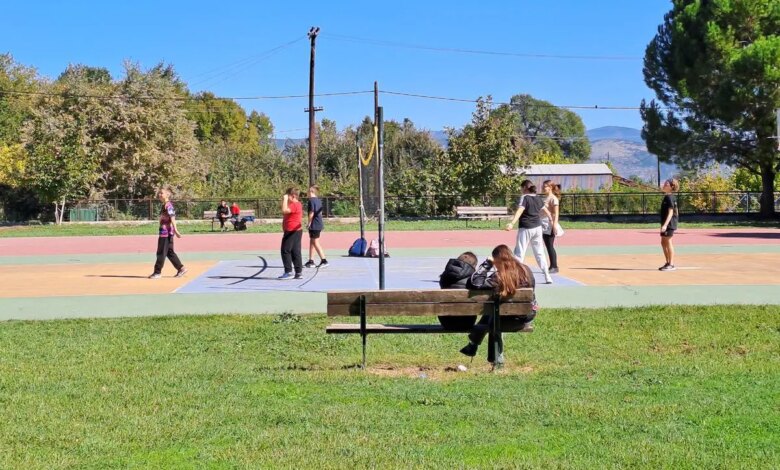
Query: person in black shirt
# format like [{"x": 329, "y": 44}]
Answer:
[
  {"x": 316, "y": 226},
  {"x": 529, "y": 231},
  {"x": 223, "y": 213},
  {"x": 668, "y": 215},
  {"x": 456, "y": 275}
]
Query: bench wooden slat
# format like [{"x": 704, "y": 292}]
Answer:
[
  {"x": 378, "y": 328},
  {"x": 426, "y": 296},
  {"x": 428, "y": 309}
]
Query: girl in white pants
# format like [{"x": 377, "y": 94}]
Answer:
[{"x": 529, "y": 213}]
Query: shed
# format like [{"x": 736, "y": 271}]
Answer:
[{"x": 573, "y": 176}]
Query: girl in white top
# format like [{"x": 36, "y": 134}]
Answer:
[{"x": 552, "y": 194}]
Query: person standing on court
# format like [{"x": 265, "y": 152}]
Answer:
[
  {"x": 552, "y": 196},
  {"x": 316, "y": 225},
  {"x": 223, "y": 213},
  {"x": 165, "y": 241},
  {"x": 292, "y": 213},
  {"x": 529, "y": 211},
  {"x": 668, "y": 222}
]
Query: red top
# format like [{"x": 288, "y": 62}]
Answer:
[
  {"x": 234, "y": 209},
  {"x": 292, "y": 222}
]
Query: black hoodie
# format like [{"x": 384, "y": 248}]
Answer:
[{"x": 456, "y": 274}]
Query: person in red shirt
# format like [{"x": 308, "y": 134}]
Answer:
[
  {"x": 235, "y": 211},
  {"x": 292, "y": 213}
]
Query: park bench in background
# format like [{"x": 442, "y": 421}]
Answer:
[
  {"x": 423, "y": 303},
  {"x": 482, "y": 213},
  {"x": 249, "y": 214}
]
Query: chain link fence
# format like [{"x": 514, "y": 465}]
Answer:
[{"x": 432, "y": 206}]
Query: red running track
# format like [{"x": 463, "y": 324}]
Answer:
[{"x": 232, "y": 241}]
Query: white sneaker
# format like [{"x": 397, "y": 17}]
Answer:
[{"x": 548, "y": 280}]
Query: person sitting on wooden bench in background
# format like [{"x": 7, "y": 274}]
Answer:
[
  {"x": 456, "y": 275},
  {"x": 223, "y": 213},
  {"x": 504, "y": 274}
]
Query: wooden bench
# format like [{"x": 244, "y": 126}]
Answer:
[
  {"x": 453, "y": 302},
  {"x": 482, "y": 213},
  {"x": 249, "y": 214}
]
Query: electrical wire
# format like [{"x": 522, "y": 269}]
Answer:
[{"x": 339, "y": 37}]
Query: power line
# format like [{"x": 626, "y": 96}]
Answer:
[
  {"x": 533, "y": 105},
  {"x": 178, "y": 98},
  {"x": 217, "y": 99},
  {"x": 375, "y": 42}
]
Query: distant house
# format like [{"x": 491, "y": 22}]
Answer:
[{"x": 582, "y": 176}]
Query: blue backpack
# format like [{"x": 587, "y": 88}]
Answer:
[{"x": 358, "y": 248}]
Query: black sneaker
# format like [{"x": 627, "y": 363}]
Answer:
[
  {"x": 469, "y": 350},
  {"x": 668, "y": 267},
  {"x": 181, "y": 272},
  {"x": 323, "y": 263},
  {"x": 663, "y": 268},
  {"x": 298, "y": 276},
  {"x": 309, "y": 264},
  {"x": 553, "y": 271}
]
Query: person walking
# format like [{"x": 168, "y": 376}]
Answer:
[
  {"x": 552, "y": 197},
  {"x": 292, "y": 213},
  {"x": 529, "y": 211},
  {"x": 167, "y": 231},
  {"x": 316, "y": 225},
  {"x": 669, "y": 215}
]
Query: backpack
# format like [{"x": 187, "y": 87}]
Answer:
[
  {"x": 241, "y": 224},
  {"x": 373, "y": 249},
  {"x": 358, "y": 248}
]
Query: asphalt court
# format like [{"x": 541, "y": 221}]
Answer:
[{"x": 342, "y": 273}]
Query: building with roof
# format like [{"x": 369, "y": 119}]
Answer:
[{"x": 573, "y": 176}]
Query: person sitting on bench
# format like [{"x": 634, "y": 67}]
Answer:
[
  {"x": 223, "y": 213},
  {"x": 504, "y": 274},
  {"x": 456, "y": 275}
]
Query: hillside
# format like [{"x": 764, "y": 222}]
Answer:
[{"x": 624, "y": 148}]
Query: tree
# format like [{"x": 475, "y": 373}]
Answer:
[
  {"x": 485, "y": 156},
  {"x": 550, "y": 132},
  {"x": 715, "y": 68}
]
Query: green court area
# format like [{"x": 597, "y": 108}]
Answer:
[{"x": 652, "y": 387}]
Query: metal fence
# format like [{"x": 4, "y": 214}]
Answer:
[{"x": 442, "y": 206}]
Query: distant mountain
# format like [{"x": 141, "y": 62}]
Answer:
[
  {"x": 615, "y": 133},
  {"x": 282, "y": 143},
  {"x": 624, "y": 148}
]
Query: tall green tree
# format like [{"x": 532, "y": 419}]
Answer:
[
  {"x": 485, "y": 156},
  {"x": 715, "y": 68},
  {"x": 550, "y": 133}
]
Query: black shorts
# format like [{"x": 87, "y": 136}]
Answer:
[
  {"x": 669, "y": 233},
  {"x": 314, "y": 234}
]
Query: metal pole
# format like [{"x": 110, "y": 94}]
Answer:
[
  {"x": 312, "y": 141},
  {"x": 381, "y": 185},
  {"x": 360, "y": 187}
]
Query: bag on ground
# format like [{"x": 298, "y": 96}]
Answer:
[
  {"x": 373, "y": 249},
  {"x": 358, "y": 247}
]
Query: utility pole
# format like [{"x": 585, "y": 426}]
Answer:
[{"x": 313, "y": 31}]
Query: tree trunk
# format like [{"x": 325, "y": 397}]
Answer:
[{"x": 767, "y": 191}]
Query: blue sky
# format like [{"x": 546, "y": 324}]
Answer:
[{"x": 224, "y": 47}]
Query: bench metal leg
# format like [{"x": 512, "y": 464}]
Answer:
[{"x": 363, "y": 333}]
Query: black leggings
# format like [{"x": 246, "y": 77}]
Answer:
[
  {"x": 549, "y": 242},
  {"x": 291, "y": 251},
  {"x": 165, "y": 250}
]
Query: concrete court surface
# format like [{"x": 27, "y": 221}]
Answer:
[{"x": 106, "y": 276}]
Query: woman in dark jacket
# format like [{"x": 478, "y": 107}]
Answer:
[
  {"x": 457, "y": 274},
  {"x": 503, "y": 274}
]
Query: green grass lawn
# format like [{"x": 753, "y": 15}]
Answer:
[
  {"x": 81, "y": 229},
  {"x": 663, "y": 387}
]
